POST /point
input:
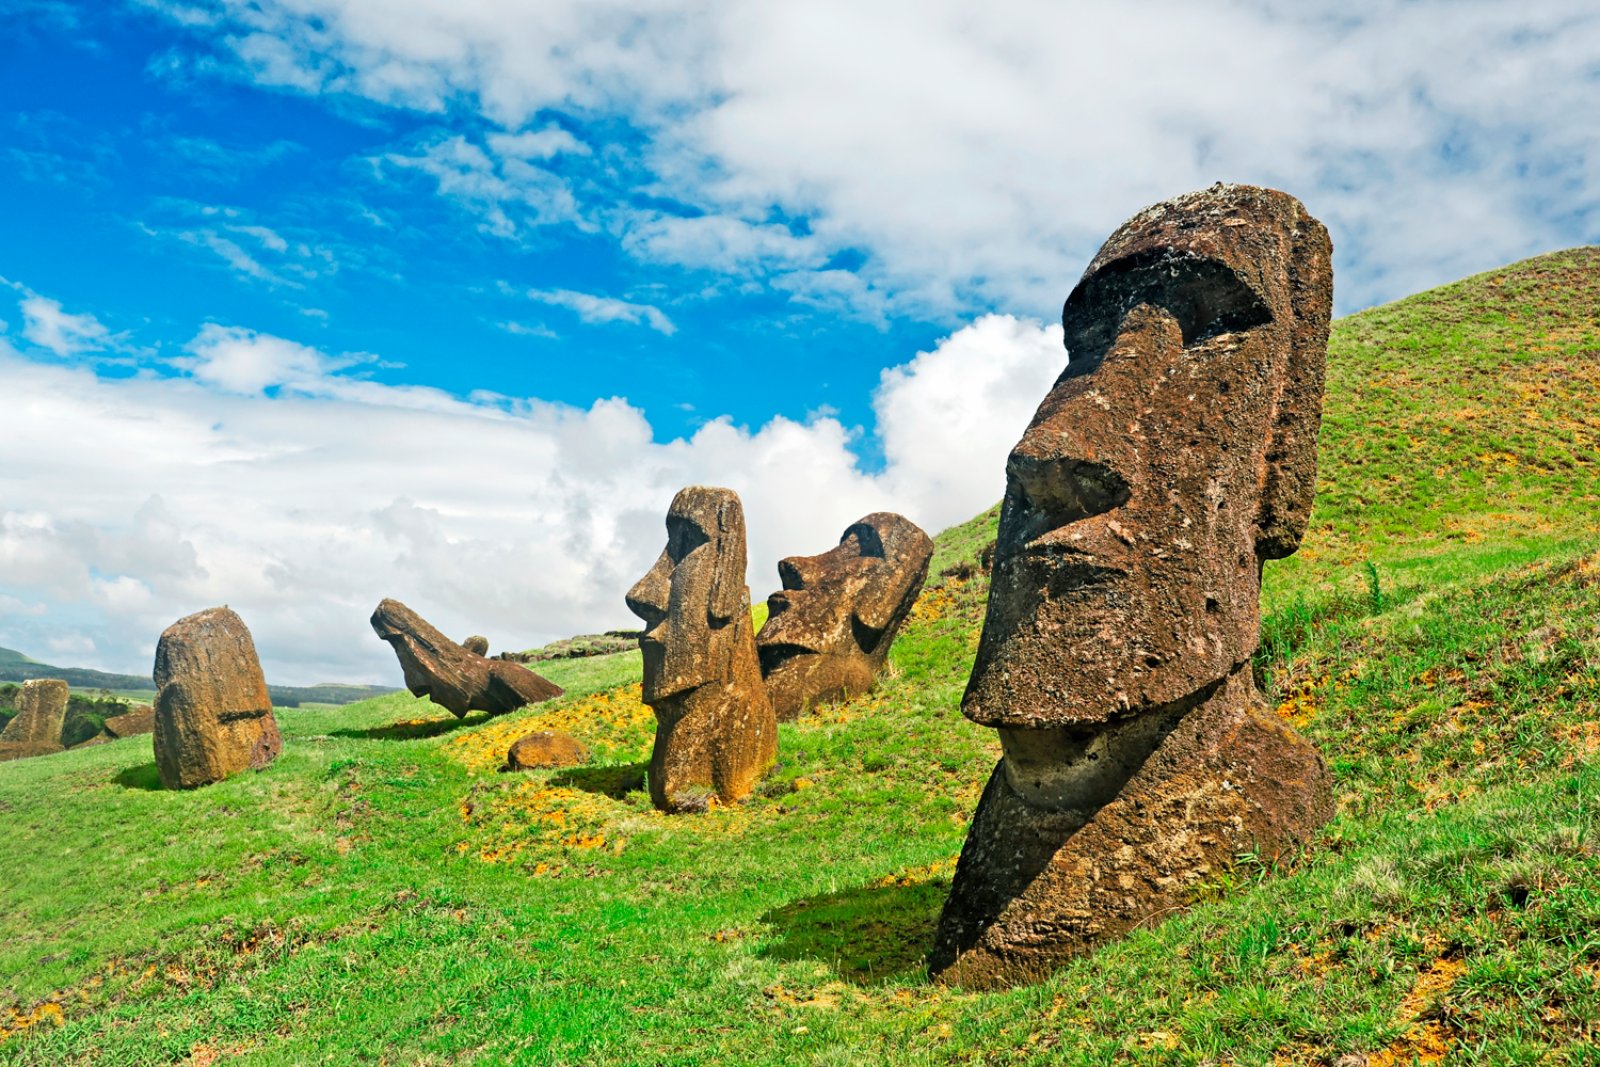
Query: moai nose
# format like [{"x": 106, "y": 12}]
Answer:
[
  {"x": 1062, "y": 485},
  {"x": 797, "y": 572}
]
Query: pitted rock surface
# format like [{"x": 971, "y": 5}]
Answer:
[
  {"x": 213, "y": 717},
  {"x": 139, "y": 720},
  {"x": 544, "y": 749},
  {"x": 716, "y": 733},
  {"x": 450, "y": 675},
  {"x": 1172, "y": 458},
  {"x": 35, "y": 730},
  {"x": 829, "y": 629}
]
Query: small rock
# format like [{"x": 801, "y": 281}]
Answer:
[{"x": 545, "y": 749}]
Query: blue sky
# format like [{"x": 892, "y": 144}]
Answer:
[
  {"x": 310, "y": 302},
  {"x": 162, "y": 192}
]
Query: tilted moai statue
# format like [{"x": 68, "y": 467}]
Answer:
[
  {"x": 829, "y": 628},
  {"x": 213, "y": 714},
  {"x": 456, "y": 677},
  {"x": 1174, "y": 455},
  {"x": 715, "y": 731}
]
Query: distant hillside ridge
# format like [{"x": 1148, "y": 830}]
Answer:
[{"x": 17, "y": 667}]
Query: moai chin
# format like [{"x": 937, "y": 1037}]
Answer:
[
  {"x": 1174, "y": 455},
  {"x": 715, "y": 730},
  {"x": 829, "y": 628}
]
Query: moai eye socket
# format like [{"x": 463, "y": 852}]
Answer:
[
  {"x": 1205, "y": 296},
  {"x": 683, "y": 537}
]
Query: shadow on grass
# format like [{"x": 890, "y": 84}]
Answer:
[
  {"x": 409, "y": 729},
  {"x": 144, "y": 776},
  {"x": 868, "y": 935},
  {"x": 614, "y": 782}
]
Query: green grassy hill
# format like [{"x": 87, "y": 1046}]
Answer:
[{"x": 381, "y": 895}]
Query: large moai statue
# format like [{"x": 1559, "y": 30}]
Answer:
[
  {"x": 715, "y": 730},
  {"x": 1174, "y": 455},
  {"x": 35, "y": 730},
  {"x": 213, "y": 715},
  {"x": 829, "y": 628},
  {"x": 453, "y": 676}
]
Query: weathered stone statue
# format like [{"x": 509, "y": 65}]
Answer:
[
  {"x": 715, "y": 730},
  {"x": 35, "y": 730},
  {"x": 213, "y": 715},
  {"x": 452, "y": 676},
  {"x": 139, "y": 719},
  {"x": 829, "y": 628},
  {"x": 1174, "y": 455}
]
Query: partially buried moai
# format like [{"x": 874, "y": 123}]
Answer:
[
  {"x": 1174, "y": 455},
  {"x": 829, "y": 628},
  {"x": 715, "y": 730},
  {"x": 213, "y": 715}
]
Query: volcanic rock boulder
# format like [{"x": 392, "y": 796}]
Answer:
[
  {"x": 477, "y": 644},
  {"x": 450, "y": 675},
  {"x": 1174, "y": 455},
  {"x": 139, "y": 720},
  {"x": 213, "y": 717},
  {"x": 715, "y": 730},
  {"x": 35, "y": 730},
  {"x": 537, "y": 751},
  {"x": 829, "y": 628}
]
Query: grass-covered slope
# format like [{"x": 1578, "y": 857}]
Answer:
[{"x": 381, "y": 895}]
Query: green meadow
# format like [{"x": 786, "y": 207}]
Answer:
[{"x": 383, "y": 895}]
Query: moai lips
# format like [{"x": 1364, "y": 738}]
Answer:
[
  {"x": 715, "y": 730},
  {"x": 829, "y": 628},
  {"x": 1174, "y": 455}
]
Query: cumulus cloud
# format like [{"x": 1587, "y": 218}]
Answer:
[
  {"x": 271, "y": 477},
  {"x": 976, "y": 157},
  {"x": 592, "y": 308}
]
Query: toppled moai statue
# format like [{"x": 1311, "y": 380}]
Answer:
[
  {"x": 213, "y": 717},
  {"x": 715, "y": 730},
  {"x": 140, "y": 719},
  {"x": 829, "y": 628},
  {"x": 477, "y": 644},
  {"x": 452, "y": 676},
  {"x": 1174, "y": 455},
  {"x": 544, "y": 749},
  {"x": 36, "y": 728}
]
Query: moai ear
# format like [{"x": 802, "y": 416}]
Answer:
[
  {"x": 728, "y": 594},
  {"x": 1291, "y": 457}
]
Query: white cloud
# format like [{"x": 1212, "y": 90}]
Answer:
[
  {"x": 248, "y": 248},
  {"x": 272, "y": 479},
  {"x": 508, "y": 192},
  {"x": 47, "y": 325},
  {"x": 591, "y": 308},
  {"x": 536, "y": 144},
  {"x": 976, "y": 157}
]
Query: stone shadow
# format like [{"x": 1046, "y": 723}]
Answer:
[
  {"x": 413, "y": 728},
  {"x": 869, "y": 935},
  {"x": 615, "y": 781},
  {"x": 144, "y": 776}
]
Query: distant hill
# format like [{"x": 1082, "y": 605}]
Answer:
[{"x": 17, "y": 667}]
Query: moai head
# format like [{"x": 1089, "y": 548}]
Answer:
[
  {"x": 693, "y": 592},
  {"x": 1173, "y": 456},
  {"x": 829, "y": 628}
]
